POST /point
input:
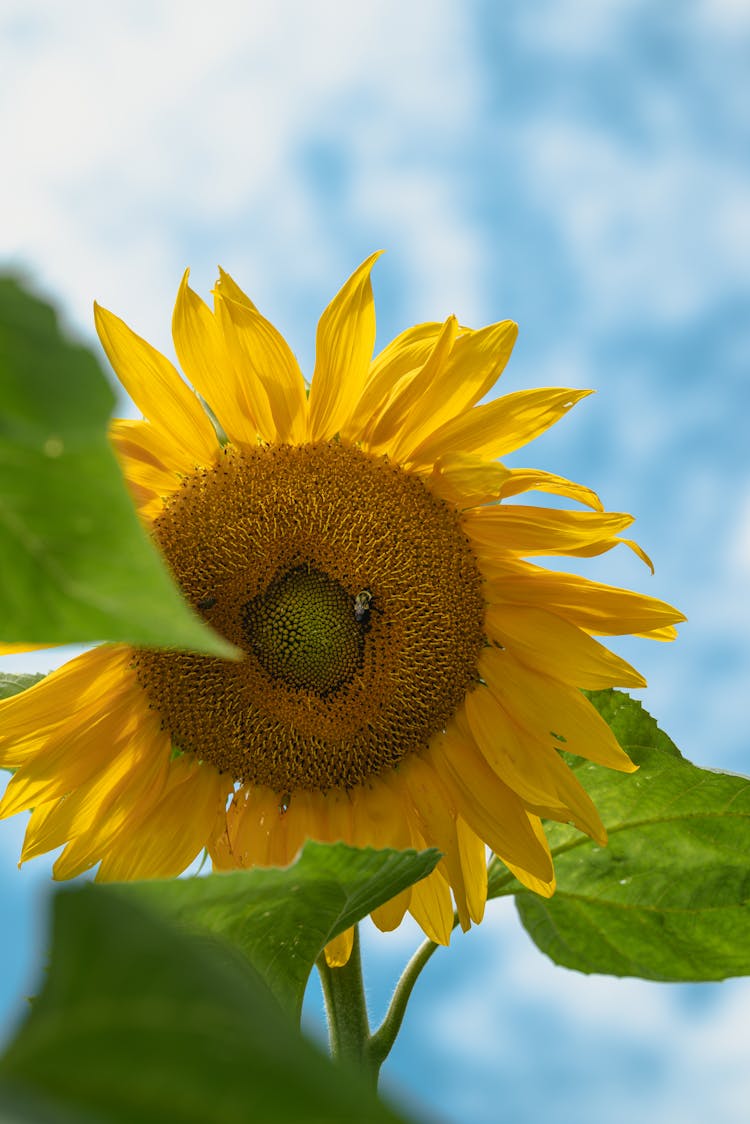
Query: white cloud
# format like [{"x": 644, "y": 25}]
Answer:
[
  {"x": 593, "y": 1025},
  {"x": 573, "y": 27},
  {"x": 730, "y": 17},
  {"x": 654, "y": 229},
  {"x": 522, "y": 977},
  {"x": 583, "y": 29},
  {"x": 140, "y": 136},
  {"x": 738, "y": 547}
]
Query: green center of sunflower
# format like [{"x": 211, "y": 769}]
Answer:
[
  {"x": 304, "y": 632},
  {"x": 355, "y": 595}
]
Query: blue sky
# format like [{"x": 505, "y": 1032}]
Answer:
[{"x": 580, "y": 166}]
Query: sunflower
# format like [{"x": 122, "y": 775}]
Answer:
[{"x": 408, "y": 677}]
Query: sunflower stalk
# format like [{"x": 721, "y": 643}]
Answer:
[
  {"x": 381, "y": 1042},
  {"x": 346, "y": 1007}
]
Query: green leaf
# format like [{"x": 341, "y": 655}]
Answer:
[
  {"x": 11, "y": 684},
  {"x": 669, "y": 897},
  {"x": 75, "y": 561},
  {"x": 138, "y": 1021},
  {"x": 283, "y": 919}
]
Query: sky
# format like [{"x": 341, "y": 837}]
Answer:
[{"x": 580, "y": 166}]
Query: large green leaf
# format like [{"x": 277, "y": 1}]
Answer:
[
  {"x": 76, "y": 565},
  {"x": 11, "y": 684},
  {"x": 283, "y": 919},
  {"x": 140, "y": 1021},
  {"x": 669, "y": 897}
]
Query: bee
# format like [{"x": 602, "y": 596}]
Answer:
[
  {"x": 206, "y": 603},
  {"x": 284, "y": 803},
  {"x": 362, "y": 603}
]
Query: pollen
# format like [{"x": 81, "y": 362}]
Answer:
[{"x": 355, "y": 596}]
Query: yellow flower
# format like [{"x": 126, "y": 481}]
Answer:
[{"x": 409, "y": 677}]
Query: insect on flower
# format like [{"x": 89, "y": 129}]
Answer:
[{"x": 362, "y": 603}]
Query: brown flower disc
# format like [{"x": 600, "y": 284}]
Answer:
[{"x": 355, "y": 596}]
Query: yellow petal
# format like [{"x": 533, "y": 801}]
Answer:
[
  {"x": 334, "y": 819},
  {"x": 111, "y": 807},
  {"x": 222, "y": 845},
  {"x": 125, "y": 785},
  {"x": 176, "y": 828},
  {"x": 466, "y": 480},
  {"x": 596, "y": 548},
  {"x": 41, "y": 827},
  {"x": 490, "y": 808},
  {"x": 149, "y": 506},
  {"x": 253, "y": 817},
  {"x": 338, "y": 951},
  {"x": 530, "y": 480},
  {"x": 525, "y": 761},
  {"x": 544, "y": 887},
  {"x": 205, "y": 358},
  {"x": 550, "y": 644},
  {"x": 70, "y": 756},
  {"x": 217, "y": 846},
  {"x": 476, "y": 361},
  {"x": 601, "y": 609},
  {"x": 285, "y": 840},
  {"x": 229, "y": 288},
  {"x": 141, "y": 441},
  {"x": 92, "y": 677},
  {"x": 437, "y": 818},
  {"x": 518, "y": 530},
  {"x": 390, "y": 914},
  {"x": 474, "y": 862},
  {"x": 399, "y": 361},
  {"x": 499, "y": 427},
  {"x": 379, "y": 818},
  {"x": 639, "y": 552},
  {"x": 268, "y": 371},
  {"x": 141, "y": 466},
  {"x": 345, "y": 339},
  {"x": 551, "y": 711},
  {"x": 15, "y": 649},
  {"x": 297, "y": 824},
  {"x": 414, "y": 398},
  {"x": 431, "y": 905},
  {"x": 158, "y": 391}
]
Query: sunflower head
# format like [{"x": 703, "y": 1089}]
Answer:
[{"x": 409, "y": 675}]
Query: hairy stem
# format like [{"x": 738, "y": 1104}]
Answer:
[
  {"x": 382, "y": 1040},
  {"x": 346, "y": 1008}
]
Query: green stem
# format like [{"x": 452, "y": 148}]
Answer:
[
  {"x": 346, "y": 1007},
  {"x": 382, "y": 1040}
]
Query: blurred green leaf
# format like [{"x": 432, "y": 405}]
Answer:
[
  {"x": 669, "y": 897},
  {"x": 140, "y": 1021},
  {"x": 11, "y": 684},
  {"x": 283, "y": 919},
  {"x": 75, "y": 564}
]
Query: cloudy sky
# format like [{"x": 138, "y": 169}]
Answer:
[{"x": 582, "y": 166}]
